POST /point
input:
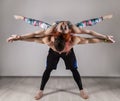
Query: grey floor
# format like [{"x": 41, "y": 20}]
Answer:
[{"x": 59, "y": 89}]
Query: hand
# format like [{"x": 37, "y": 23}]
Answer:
[
  {"x": 110, "y": 39},
  {"x": 13, "y": 38},
  {"x": 18, "y": 17}
]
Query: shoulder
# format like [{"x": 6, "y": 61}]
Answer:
[
  {"x": 76, "y": 40},
  {"x": 46, "y": 40}
]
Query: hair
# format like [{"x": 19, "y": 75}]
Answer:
[{"x": 59, "y": 42}]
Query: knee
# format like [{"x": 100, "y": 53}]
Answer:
[
  {"x": 73, "y": 69},
  {"x": 48, "y": 70}
]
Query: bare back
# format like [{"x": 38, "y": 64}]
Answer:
[{"x": 49, "y": 40}]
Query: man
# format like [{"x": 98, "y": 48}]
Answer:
[{"x": 61, "y": 41}]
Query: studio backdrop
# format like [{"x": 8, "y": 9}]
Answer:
[{"x": 29, "y": 59}]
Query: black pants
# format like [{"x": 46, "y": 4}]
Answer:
[{"x": 70, "y": 62}]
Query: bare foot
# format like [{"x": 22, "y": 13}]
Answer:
[
  {"x": 18, "y": 17},
  {"x": 39, "y": 95},
  {"x": 107, "y": 17},
  {"x": 83, "y": 94}
]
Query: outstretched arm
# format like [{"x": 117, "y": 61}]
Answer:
[
  {"x": 20, "y": 38},
  {"x": 43, "y": 40},
  {"x": 91, "y": 32},
  {"x": 36, "y": 34},
  {"x": 82, "y": 40}
]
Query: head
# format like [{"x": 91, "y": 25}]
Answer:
[
  {"x": 59, "y": 43},
  {"x": 63, "y": 27}
]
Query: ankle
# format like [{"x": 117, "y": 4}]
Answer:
[
  {"x": 40, "y": 91},
  {"x": 81, "y": 90}
]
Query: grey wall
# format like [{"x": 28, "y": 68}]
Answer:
[{"x": 29, "y": 59}]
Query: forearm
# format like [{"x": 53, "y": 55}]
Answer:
[
  {"x": 95, "y": 34},
  {"x": 95, "y": 40},
  {"x": 26, "y": 36},
  {"x": 31, "y": 35},
  {"x": 28, "y": 40},
  {"x": 21, "y": 38},
  {"x": 92, "y": 40},
  {"x": 77, "y": 30}
]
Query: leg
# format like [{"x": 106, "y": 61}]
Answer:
[
  {"x": 52, "y": 60},
  {"x": 71, "y": 63},
  {"x": 45, "y": 78},
  {"x": 77, "y": 78},
  {"x": 92, "y": 22},
  {"x": 34, "y": 22},
  {"x": 89, "y": 22}
]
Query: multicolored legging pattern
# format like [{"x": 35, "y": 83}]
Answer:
[
  {"x": 89, "y": 22},
  {"x": 81, "y": 24},
  {"x": 37, "y": 23}
]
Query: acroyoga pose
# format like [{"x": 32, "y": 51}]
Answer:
[{"x": 61, "y": 38}]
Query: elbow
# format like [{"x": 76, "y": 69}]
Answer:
[{"x": 33, "y": 34}]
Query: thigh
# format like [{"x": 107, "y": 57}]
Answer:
[
  {"x": 52, "y": 59},
  {"x": 70, "y": 60}
]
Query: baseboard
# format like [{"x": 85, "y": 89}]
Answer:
[{"x": 59, "y": 76}]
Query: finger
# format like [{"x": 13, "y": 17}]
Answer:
[
  {"x": 15, "y": 36},
  {"x": 112, "y": 41},
  {"x": 111, "y": 36},
  {"x": 7, "y": 40},
  {"x": 11, "y": 41}
]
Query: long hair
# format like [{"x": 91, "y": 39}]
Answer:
[
  {"x": 60, "y": 40},
  {"x": 59, "y": 43}
]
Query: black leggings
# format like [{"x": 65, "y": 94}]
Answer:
[{"x": 74, "y": 71}]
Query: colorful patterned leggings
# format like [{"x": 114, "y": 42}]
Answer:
[
  {"x": 89, "y": 22},
  {"x": 81, "y": 24},
  {"x": 34, "y": 22}
]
